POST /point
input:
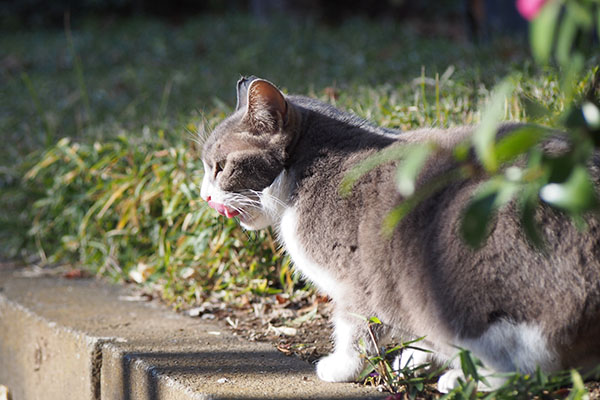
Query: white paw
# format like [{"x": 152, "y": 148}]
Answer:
[
  {"x": 491, "y": 382},
  {"x": 339, "y": 367},
  {"x": 450, "y": 380},
  {"x": 410, "y": 358}
]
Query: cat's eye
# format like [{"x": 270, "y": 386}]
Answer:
[{"x": 219, "y": 166}]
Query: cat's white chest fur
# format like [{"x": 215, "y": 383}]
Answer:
[
  {"x": 277, "y": 210},
  {"x": 309, "y": 269}
]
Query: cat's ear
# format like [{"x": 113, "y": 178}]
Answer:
[
  {"x": 242, "y": 91},
  {"x": 266, "y": 107}
]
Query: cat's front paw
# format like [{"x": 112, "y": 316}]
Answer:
[
  {"x": 450, "y": 380},
  {"x": 339, "y": 368}
]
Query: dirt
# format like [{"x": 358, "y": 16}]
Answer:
[{"x": 297, "y": 326}]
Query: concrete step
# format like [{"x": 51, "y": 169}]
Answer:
[{"x": 85, "y": 339}]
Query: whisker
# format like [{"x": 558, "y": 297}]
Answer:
[
  {"x": 274, "y": 199},
  {"x": 201, "y": 134},
  {"x": 243, "y": 202}
]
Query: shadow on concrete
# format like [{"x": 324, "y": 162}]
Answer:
[{"x": 141, "y": 372}]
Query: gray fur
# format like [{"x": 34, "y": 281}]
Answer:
[{"x": 424, "y": 280}]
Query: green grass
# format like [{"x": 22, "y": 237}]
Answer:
[
  {"x": 139, "y": 78},
  {"x": 130, "y": 95},
  {"x": 131, "y": 210},
  {"x": 99, "y": 167},
  {"x": 105, "y": 76}
]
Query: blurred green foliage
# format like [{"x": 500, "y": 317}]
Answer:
[
  {"x": 559, "y": 180},
  {"x": 131, "y": 96},
  {"x": 563, "y": 31}
]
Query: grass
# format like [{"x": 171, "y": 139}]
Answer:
[
  {"x": 143, "y": 79},
  {"x": 99, "y": 167},
  {"x": 131, "y": 211},
  {"x": 419, "y": 381}
]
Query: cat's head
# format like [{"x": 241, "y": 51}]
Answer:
[{"x": 247, "y": 152}]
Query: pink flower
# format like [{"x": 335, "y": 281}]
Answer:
[{"x": 530, "y": 8}]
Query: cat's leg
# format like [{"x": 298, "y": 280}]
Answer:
[
  {"x": 505, "y": 346},
  {"x": 413, "y": 358},
  {"x": 345, "y": 363}
]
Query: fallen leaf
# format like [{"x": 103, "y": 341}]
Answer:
[
  {"x": 323, "y": 299},
  {"x": 285, "y": 348},
  {"x": 76, "y": 274},
  {"x": 140, "y": 273},
  {"x": 280, "y": 299},
  {"x": 283, "y": 330}
]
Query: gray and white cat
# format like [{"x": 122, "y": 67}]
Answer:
[{"x": 278, "y": 161}]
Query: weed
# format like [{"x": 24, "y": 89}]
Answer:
[
  {"x": 417, "y": 380},
  {"x": 132, "y": 210}
]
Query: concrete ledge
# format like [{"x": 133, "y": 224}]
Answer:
[{"x": 83, "y": 339}]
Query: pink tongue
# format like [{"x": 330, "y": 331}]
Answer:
[{"x": 223, "y": 209}]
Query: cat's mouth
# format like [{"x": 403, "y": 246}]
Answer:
[{"x": 222, "y": 209}]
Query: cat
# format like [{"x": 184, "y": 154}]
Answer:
[{"x": 278, "y": 161}]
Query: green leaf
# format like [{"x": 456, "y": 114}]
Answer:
[
  {"x": 541, "y": 377},
  {"x": 534, "y": 109},
  {"x": 369, "y": 367},
  {"x": 581, "y": 14},
  {"x": 360, "y": 317},
  {"x": 375, "y": 320},
  {"x": 389, "y": 154},
  {"x": 469, "y": 389},
  {"x": 542, "y": 31},
  {"x": 529, "y": 201},
  {"x": 476, "y": 219},
  {"x": 518, "y": 142},
  {"x": 579, "y": 391},
  {"x": 485, "y": 135},
  {"x": 576, "y": 195},
  {"x": 461, "y": 151},
  {"x": 397, "y": 214},
  {"x": 480, "y": 211},
  {"x": 560, "y": 168},
  {"x": 407, "y": 344},
  {"x": 410, "y": 167},
  {"x": 598, "y": 22},
  {"x": 566, "y": 37},
  {"x": 571, "y": 75},
  {"x": 394, "y": 349},
  {"x": 468, "y": 364}
]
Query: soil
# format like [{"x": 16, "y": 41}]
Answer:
[{"x": 297, "y": 326}]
